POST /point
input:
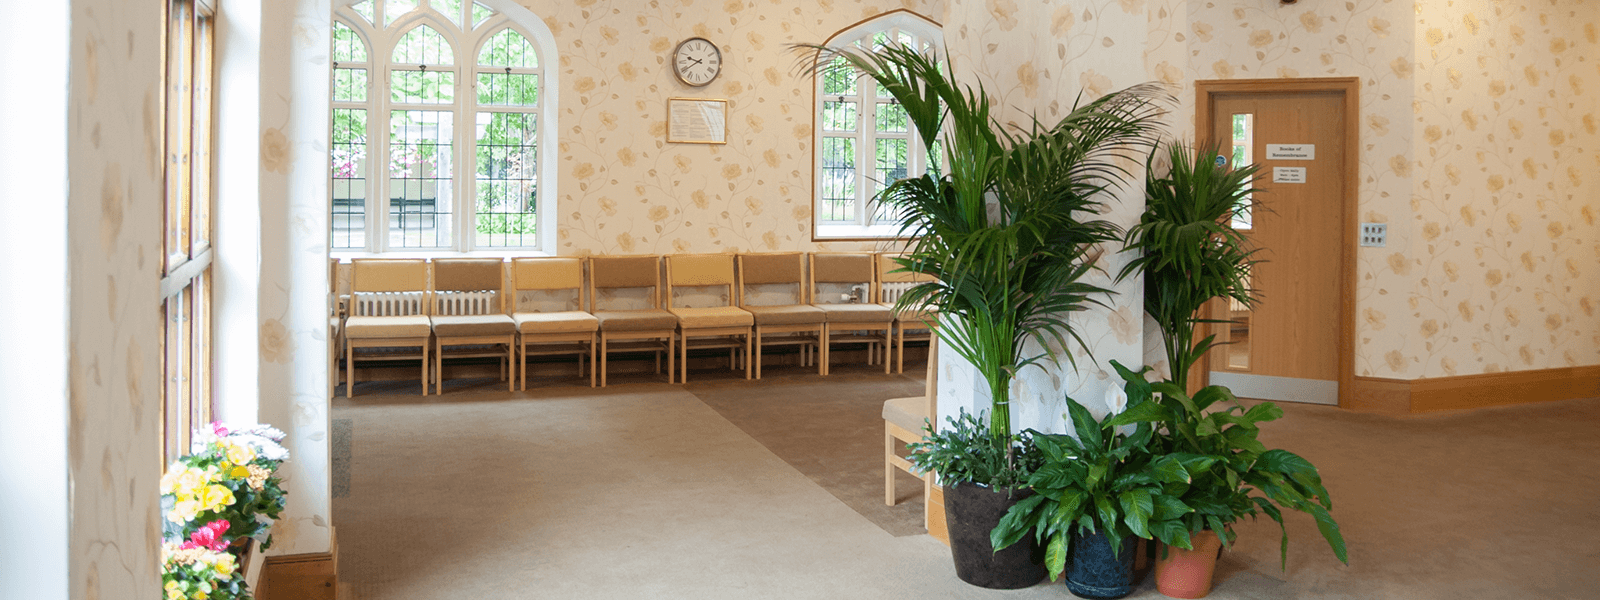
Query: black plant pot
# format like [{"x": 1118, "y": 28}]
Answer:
[
  {"x": 971, "y": 512},
  {"x": 1094, "y": 571}
]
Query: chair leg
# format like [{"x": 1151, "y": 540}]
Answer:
[
  {"x": 425, "y": 369},
  {"x": 825, "y": 342},
  {"x": 603, "y": 361},
  {"x": 757, "y": 360},
  {"x": 671, "y": 357},
  {"x": 591, "y": 360},
  {"x": 683, "y": 358},
  {"x": 888, "y": 350},
  {"x": 522, "y": 365},
  {"x": 350, "y": 370},
  {"x": 747, "y": 355},
  {"x": 900, "y": 348},
  {"x": 888, "y": 467}
]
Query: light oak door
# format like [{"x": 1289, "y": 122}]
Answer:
[{"x": 1288, "y": 346}]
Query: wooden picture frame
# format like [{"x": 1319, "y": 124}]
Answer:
[{"x": 697, "y": 121}]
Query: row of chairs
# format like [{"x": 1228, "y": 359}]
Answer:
[{"x": 471, "y": 308}]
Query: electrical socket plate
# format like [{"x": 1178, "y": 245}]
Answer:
[{"x": 1374, "y": 235}]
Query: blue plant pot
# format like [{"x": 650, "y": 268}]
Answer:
[{"x": 1094, "y": 571}]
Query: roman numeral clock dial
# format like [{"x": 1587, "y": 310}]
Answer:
[{"x": 696, "y": 61}]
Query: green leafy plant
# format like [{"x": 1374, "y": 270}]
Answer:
[
  {"x": 1187, "y": 247},
  {"x": 1009, "y": 230},
  {"x": 1231, "y": 474},
  {"x": 1102, "y": 480},
  {"x": 962, "y": 453}
]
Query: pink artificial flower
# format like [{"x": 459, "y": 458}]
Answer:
[
  {"x": 209, "y": 536},
  {"x": 217, "y": 428}
]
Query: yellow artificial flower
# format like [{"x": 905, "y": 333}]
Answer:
[
  {"x": 172, "y": 586},
  {"x": 198, "y": 595},
  {"x": 213, "y": 474},
  {"x": 184, "y": 511},
  {"x": 239, "y": 473},
  {"x": 240, "y": 453},
  {"x": 214, "y": 497},
  {"x": 225, "y": 566},
  {"x": 182, "y": 481},
  {"x": 175, "y": 594}
]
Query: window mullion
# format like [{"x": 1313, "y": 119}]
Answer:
[
  {"x": 866, "y": 148},
  {"x": 465, "y": 146},
  {"x": 378, "y": 146}
]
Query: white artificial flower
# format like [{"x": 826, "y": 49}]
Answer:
[{"x": 1116, "y": 399}]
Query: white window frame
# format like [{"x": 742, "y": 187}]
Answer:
[
  {"x": 865, "y": 226},
  {"x": 465, "y": 41}
]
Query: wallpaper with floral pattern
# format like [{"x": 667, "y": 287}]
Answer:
[
  {"x": 624, "y": 190},
  {"x": 114, "y": 212},
  {"x": 1505, "y": 249}
]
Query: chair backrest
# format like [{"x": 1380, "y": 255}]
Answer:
[
  {"x": 389, "y": 286},
  {"x": 854, "y": 269},
  {"x": 548, "y": 273},
  {"x": 607, "y": 272},
  {"x": 468, "y": 286},
  {"x": 761, "y": 269},
  {"x": 892, "y": 281},
  {"x": 697, "y": 270}
]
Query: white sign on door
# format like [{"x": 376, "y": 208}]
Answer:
[
  {"x": 1288, "y": 174},
  {"x": 1291, "y": 151}
]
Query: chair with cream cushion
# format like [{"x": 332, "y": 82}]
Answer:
[
  {"x": 389, "y": 308},
  {"x": 904, "y": 422},
  {"x": 918, "y": 320},
  {"x": 795, "y": 323},
  {"x": 553, "y": 332},
  {"x": 469, "y": 314},
  {"x": 728, "y": 326},
  {"x": 655, "y": 329},
  {"x": 848, "y": 321}
]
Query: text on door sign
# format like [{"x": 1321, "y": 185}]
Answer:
[{"x": 1291, "y": 151}]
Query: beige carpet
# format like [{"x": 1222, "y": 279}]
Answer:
[{"x": 645, "y": 490}]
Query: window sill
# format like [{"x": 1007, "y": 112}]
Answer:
[
  {"x": 345, "y": 255},
  {"x": 842, "y": 232}
]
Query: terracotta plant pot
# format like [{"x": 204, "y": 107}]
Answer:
[
  {"x": 1187, "y": 573},
  {"x": 971, "y": 512}
]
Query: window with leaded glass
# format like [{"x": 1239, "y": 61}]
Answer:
[
  {"x": 448, "y": 96},
  {"x": 864, "y": 139}
]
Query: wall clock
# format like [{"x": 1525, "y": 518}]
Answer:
[{"x": 696, "y": 62}]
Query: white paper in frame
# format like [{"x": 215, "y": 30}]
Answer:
[{"x": 697, "y": 121}]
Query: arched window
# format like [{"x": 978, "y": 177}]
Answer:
[
  {"x": 451, "y": 94},
  {"x": 863, "y": 139}
]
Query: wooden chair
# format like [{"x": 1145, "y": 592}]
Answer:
[
  {"x": 904, "y": 420},
  {"x": 389, "y": 308},
  {"x": 892, "y": 282},
  {"x": 654, "y": 328},
  {"x": 851, "y": 319},
  {"x": 469, "y": 313},
  {"x": 725, "y": 325},
  {"x": 336, "y": 315},
  {"x": 563, "y": 328},
  {"x": 795, "y": 324}
]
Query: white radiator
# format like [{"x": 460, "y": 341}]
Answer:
[
  {"x": 387, "y": 304},
  {"x": 466, "y": 303},
  {"x": 892, "y": 290}
]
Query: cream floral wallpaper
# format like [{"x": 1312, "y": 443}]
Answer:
[
  {"x": 624, "y": 190},
  {"x": 114, "y": 211},
  {"x": 1505, "y": 248},
  {"x": 292, "y": 296}
]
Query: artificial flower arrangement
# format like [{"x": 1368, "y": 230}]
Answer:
[{"x": 215, "y": 500}]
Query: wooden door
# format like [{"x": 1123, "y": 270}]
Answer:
[{"x": 1290, "y": 345}]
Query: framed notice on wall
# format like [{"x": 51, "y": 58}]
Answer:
[{"x": 697, "y": 121}]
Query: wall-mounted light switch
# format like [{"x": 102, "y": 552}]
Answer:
[{"x": 1374, "y": 235}]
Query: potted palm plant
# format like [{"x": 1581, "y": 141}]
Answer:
[
  {"x": 1189, "y": 254},
  {"x": 1007, "y": 230}
]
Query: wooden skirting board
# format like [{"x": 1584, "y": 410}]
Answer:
[
  {"x": 1432, "y": 394},
  {"x": 312, "y": 576}
]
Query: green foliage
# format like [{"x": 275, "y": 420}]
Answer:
[
  {"x": 1187, "y": 248},
  {"x": 1102, "y": 480},
  {"x": 1008, "y": 226},
  {"x": 1231, "y": 474},
  {"x": 963, "y": 452}
]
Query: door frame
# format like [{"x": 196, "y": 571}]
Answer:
[{"x": 1206, "y": 92}]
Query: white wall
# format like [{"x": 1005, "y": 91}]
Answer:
[{"x": 33, "y": 351}]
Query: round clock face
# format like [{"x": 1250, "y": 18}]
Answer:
[{"x": 697, "y": 61}]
